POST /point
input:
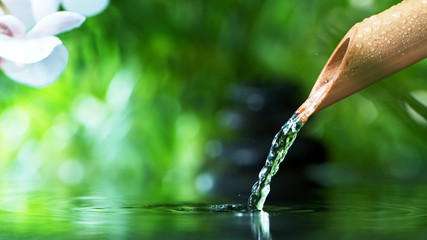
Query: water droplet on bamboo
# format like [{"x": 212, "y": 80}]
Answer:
[
  {"x": 396, "y": 15},
  {"x": 367, "y": 29},
  {"x": 388, "y": 20}
]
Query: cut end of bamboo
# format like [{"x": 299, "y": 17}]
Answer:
[{"x": 330, "y": 73}]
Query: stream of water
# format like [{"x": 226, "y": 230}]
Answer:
[{"x": 279, "y": 147}]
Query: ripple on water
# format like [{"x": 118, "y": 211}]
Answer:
[
  {"x": 385, "y": 211},
  {"x": 195, "y": 208}
]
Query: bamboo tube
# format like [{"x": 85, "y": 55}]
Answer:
[{"x": 371, "y": 50}]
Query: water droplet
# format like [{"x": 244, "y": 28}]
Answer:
[
  {"x": 262, "y": 173},
  {"x": 388, "y": 20},
  {"x": 372, "y": 17},
  {"x": 367, "y": 29},
  {"x": 271, "y": 155},
  {"x": 396, "y": 15},
  {"x": 255, "y": 187},
  {"x": 376, "y": 25}
]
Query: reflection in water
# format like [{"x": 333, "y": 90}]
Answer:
[
  {"x": 260, "y": 225},
  {"x": 350, "y": 212}
]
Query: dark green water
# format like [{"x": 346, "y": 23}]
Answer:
[
  {"x": 279, "y": 147},
  {"x": 341, "y": 212}
]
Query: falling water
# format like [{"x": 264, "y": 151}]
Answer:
[{"x": 279, "y": 147}]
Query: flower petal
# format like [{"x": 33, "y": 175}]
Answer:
[
  {"x": 85, "y": 7},
  {"x": 22, "y": 10},
  {"x": 39, "y": 74},
  {"x": 56, "y": 23},
  {"x": 27, "y": 50},
  {"x": 11, "y": 26},
  {"x": 43, "y": 8}
]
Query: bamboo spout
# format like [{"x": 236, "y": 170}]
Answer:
[{"x": 371, "y": 50}]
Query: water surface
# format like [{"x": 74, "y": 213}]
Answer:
[{"x": 350, "y": 212}]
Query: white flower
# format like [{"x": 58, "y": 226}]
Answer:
[
  {"x": 39, "y": 74},
  {"x": 85, "y": 7},
  {"x": 31, "y": 11},
  {"x": 31, "y": 54}
]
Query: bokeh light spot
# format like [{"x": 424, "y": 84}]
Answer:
[
  {"x": 14, "y": 123},
  {"x": 71, "y": 172}
]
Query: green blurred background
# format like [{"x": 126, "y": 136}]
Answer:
[{"x": 137, "y": 107}]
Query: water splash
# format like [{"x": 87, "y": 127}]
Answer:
[{"x": 279, "y": 147}]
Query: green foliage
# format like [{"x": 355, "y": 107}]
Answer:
[{"x": 137, "y": 102}]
